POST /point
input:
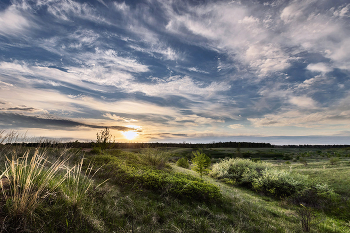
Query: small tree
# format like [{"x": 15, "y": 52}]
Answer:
[
  {"x": 201, "y": 162},
  {"x": 104, "y": 138}
]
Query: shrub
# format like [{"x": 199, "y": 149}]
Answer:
[
  {"x": 262, "y": 177},
  {"x": 201, "y": 162},
  {"x": 256, "y": 160},
  {"x": 315, "y": 194},
  {"x": 306, "y": 216},
  {"x": 241, "y": 171},
  {"x": 287, "y": 157},
  {"x": 183, "y": 162},
  {"x": 279, "y": 183},
  {"x": 334, "y": 160},
  {"x": 96, "y": 150}
]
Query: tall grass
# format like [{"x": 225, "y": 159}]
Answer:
[
  {"x": 154, "y": 157},
  {"x": 77, "y": 183},
  {"x": 29, "y": 179}
]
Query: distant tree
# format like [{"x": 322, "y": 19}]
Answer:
[
  {"x": 104, "y": 138},
  {"x": 201, "y": 162}
]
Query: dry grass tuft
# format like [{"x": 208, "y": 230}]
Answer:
[{"x": 28, "y": 180}]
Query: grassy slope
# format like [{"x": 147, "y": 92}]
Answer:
[{"x": 241, "y": 211}]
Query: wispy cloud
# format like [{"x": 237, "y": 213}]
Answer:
[
  {"x": 178, "y": 68},
  {"x": 14, "y": 23},
  {"x": 319, "y": 67},
  {"x": 119, "y": 118},
  {"x": 236, "y": 126}
]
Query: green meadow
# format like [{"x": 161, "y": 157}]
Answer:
[{"x": 50, "y": 189}]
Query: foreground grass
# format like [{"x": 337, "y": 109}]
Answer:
[{"x": 142, "y": 193}]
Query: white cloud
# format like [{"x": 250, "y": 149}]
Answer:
[
  {"x": 194, "y": 69},
  {"x": 343, "y": 11},
  {"x": 67, "y": 9},
  {"x": 154, "y": 49},
  {"x": 303, "y": 101},
  {"x": 266, "y": 58},
  {"x": 295, "y": 10},
  {"x": 319, "y": 67},
  {"x": 108, "y": 69},
  {"x": 122, "y": 7},
  {"x": 119, "y": 118},
  {"x": 236, "y": 126},
  {"x": 5, "y": 85},
  {"x": 309, "y": 82},
  {"x": 183, "y": 86},
  {"x": 321, "y": 119},
  {"x": 12, "y": 22},
  {"x": 83, "y": 37},
  {"x": 197, "y": 120},
  {"x": 318, "y": 31},
  {"x": 231, "y": 28}
]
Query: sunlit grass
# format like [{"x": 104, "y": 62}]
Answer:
[{"x": 26, "y": 181}]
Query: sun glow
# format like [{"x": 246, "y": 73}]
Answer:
[{"x": 130, "y": 135}]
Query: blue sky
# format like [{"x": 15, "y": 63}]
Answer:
[{"x": 196, "y": 71}]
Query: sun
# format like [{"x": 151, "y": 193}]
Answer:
[{"x": 130, "y": 135}]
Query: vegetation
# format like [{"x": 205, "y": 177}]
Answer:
[
  {"x": 62, "y": 190},
  {"x": 183, "y": 162},
  {"x": 334, "y": 160},
  {"x": 263, "y": 177},
  {"x": 104, "y": 139},
  {"x": 201, "y": 162}
]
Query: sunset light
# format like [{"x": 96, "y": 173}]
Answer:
[{"x": 130, "y": 135}]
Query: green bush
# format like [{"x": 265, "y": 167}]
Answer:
[
  {"x": 96, "y": 150},
  {"x": 334, "y": 160},
  {"x": 279, "y": 183},
  {"x": 256, "y": 160},
  {"x": 262, "y": 177},
  {"x": 183, "y": 162},
  {"x": 241, "y": 171},
  {"x": 316, "y": 195}
]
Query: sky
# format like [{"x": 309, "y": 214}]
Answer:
[{"x": 177, "y": 71}]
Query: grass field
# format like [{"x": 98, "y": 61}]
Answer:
[
  {"x": 337, "y": 175},
  {"x": 140, "y": 191}
]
